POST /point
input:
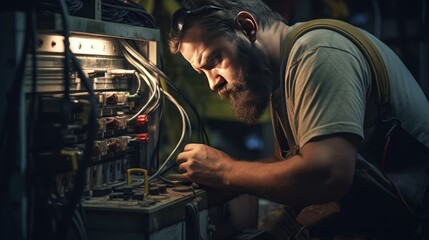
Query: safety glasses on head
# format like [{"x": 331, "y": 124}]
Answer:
[{"x": 182, "y": 14}]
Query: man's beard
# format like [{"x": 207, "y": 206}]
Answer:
[{"x": 250, "y": 93}]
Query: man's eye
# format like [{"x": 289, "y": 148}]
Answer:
[{"x": 213, "y": 62}]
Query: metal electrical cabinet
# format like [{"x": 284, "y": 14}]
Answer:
[{"x": 46, "y": 114}]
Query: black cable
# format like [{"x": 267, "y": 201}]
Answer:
[
  {"x": 48, "y": 7},
  {"x": 32, "y": 179},
  {"x": 168, "y": 169},
  {"x": 193, "y": 231},
  {"x": 8, "y": 135},
  {"x": 79, "y": 222},
  {"x": 155, "y": 151},
  {"x": 204, "y": 137},
  {"x": 80, "y": 179},
  {"x": 297, "y": 233},
  {"x": 78, "y": 228},
  {"x": 14, "y": 97},
  {"x": 66, "y": 70},
  {"x": 74, "y": 5},
  {"x": 127, "y": 12},
  {"x": 69, "y": 207},
  {"x": 172, "y": 182},
  {"x": 10, "y": 129},
  {"x": 203, "y": 134}
]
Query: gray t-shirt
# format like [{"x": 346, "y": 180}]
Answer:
[{"x": 327, "y": 84}]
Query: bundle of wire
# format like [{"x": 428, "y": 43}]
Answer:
[
  {"x": 119, "y": 11},
  {"x": 49, "y": 7},
  {"x": 127, "y": 12},
  {"x": 147, "y": 72}
]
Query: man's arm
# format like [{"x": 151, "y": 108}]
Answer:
[
  {"x": 218, "y": 196},
  {"x": 321, "y": 172}
]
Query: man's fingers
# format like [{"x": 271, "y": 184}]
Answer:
[
  {"x": 187, "y": 153},
  {"x": 185, "y": 177},
  {"x": 182, "y": 157},
  {"x": 190, "y": 147}
]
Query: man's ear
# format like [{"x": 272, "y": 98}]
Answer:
[{"x": 247, "y": 23}]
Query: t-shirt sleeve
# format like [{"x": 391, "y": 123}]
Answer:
[{"x": 326, "y": 94}]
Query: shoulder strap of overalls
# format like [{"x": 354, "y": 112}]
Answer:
[{"x": 378, "y": 69}]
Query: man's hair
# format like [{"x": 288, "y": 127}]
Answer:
[{"x": 222, "y": 21}]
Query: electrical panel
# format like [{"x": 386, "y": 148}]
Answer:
[
  {"x": 82, "y": 128},
  {"x": 124, "y": 135}
]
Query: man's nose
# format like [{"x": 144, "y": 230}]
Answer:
[{"x": 213, "y": 78}]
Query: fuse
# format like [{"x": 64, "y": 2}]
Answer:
[
  {"x": 142, "y": 120},
  {"x": 143, "y": 137}
]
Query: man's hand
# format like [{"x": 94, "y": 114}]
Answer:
[
  {"x": 321, "y": 172},
  {"x": 203, "y": 164}
]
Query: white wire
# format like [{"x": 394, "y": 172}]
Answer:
[
  {"x": 142, "y": 109},
  {"x": 139, "y": 81},
  {"x": 185, "y": 125},
  {"x": 153, "y": 88},
  {"x": 141, "y": 59},
  {"x": 153, "y": 84},
  {"x": 158, "y": 95}
]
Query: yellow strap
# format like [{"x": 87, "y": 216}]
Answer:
[
  {"x": 375, "y": 61},
  {"x": 140, "y": 170}
]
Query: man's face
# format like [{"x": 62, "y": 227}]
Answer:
[{"x": 236, "y": 69}]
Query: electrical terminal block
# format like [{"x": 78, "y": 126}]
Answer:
[
  {"x": 122, "y": 142},
  {"x": 120, "y": 72},
  {"x": 102, "y": 125},
  {"x": 113, "y": 145},
  {"x": 116, "y": 123},
  {"x": 113, "y": 98},
  {"x": 111, "y": 123},
  {"x": 119, "y": 144},
  {"x": 100, "y": 149},
  {"x": 117, "y": 98},
  {"x": 110, "y": 146},
  {"x": 122, "y": 122},
  {"x": 95, "y": 73}
]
